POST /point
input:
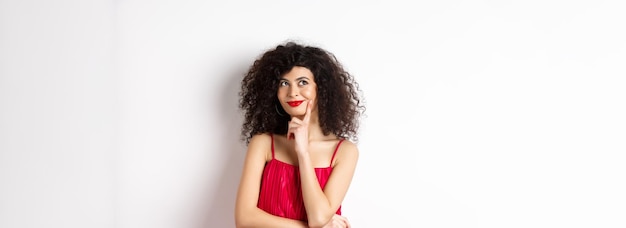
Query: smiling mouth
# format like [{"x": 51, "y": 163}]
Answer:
[{"x": 294, "y": 103}]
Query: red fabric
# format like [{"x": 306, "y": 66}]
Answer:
[{"x": 281, "y": 192}]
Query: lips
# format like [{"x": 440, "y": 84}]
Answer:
[{"x": 294, "y": 103}]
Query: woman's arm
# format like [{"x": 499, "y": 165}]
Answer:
[
  {"x": 247, "y": 214},
  {"x": 322, "y": 204}
]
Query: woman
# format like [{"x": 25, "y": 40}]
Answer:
[{"x": 301, "y": 108}]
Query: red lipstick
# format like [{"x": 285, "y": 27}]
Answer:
[{"x": 294, "y": 103}]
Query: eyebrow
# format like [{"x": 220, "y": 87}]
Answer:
[{"x": 297, "y": 79}]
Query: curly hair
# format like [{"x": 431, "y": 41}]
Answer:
[{"x": 339, "y": 102}]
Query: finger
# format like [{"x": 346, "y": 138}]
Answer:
[
  {"x": 290, "y": 136},
  {"x": 337, "y": 224},
  {"x": 296, "y": 120},
  {"x": 342, "y": 223},
  {"x": 307, "y": 115},
  {"x": 291, "y": 127},
  {"x": 344, "y": 220}
]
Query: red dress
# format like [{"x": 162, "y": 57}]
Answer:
[{"x": 281, "y": 192}]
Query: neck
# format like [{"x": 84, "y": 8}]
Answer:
[{"x": 315, "y": 131}]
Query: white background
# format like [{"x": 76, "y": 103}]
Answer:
[{"x": 479, "y": 113}]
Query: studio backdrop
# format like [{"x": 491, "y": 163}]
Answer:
[{"x": 478, "y": 113}]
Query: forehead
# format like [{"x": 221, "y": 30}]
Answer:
[{"x": 298, "y": 72}]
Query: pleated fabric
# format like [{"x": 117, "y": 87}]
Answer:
[{"x": 281, "y": 192}]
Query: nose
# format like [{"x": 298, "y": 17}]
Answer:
[{"x": 293, "y": 91}]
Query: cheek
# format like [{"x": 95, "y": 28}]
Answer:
[
  {"x": 309, "y": 93},
  {"x": 281, "y": 93}
]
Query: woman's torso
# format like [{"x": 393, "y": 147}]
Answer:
[{"x": 281, "y": 192}]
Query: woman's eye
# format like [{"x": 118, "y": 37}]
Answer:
[
  {"x": 283, "y": 83},
  {"x": 303, "y": 82}
]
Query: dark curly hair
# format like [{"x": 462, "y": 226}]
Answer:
[{"x": 339, "y": 102}]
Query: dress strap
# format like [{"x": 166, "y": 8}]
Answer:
[
  {"x": 334, "y": 153},
  {"x": 272, "y": 136}
]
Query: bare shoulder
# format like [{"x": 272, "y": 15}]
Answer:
[
  {"x": 260, "y": 144},
  {"x": 263, "y": 138},
  {"x": 348, "y": 151},
  {"x": 348, "y": 145}
]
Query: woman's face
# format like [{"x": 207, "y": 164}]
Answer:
[{"x": 295, "y": 89}]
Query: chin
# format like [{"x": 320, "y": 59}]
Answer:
[{"x": 297, "y": 113}]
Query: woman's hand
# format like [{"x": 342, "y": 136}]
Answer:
[
  {"x": 299, "y": 130},
  {"x": 337, "y": 221}
]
